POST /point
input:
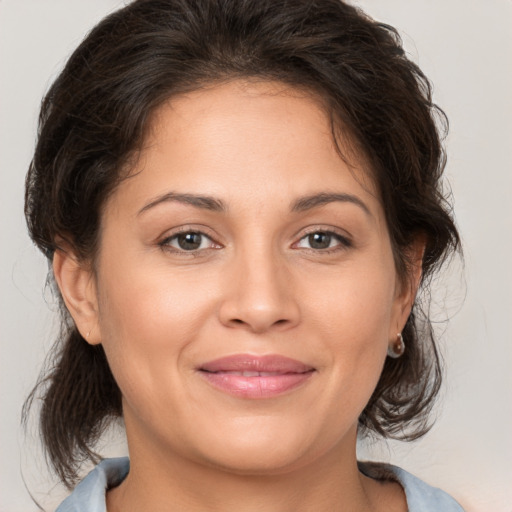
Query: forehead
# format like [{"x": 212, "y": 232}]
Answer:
[{"x": 245, "y": 137}]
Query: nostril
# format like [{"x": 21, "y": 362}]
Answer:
[{"x": 239, "y": 322}]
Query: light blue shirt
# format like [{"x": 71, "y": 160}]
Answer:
[{"x": 89, "y": 494}]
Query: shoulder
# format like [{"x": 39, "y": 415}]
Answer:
[
  {"x": 421, "y": 497},
  {"x": 89, "y": 494}
]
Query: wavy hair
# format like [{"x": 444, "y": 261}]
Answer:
[{"x": 95, "y": 116}]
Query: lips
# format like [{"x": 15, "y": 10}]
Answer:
[{"x": 250, "y": 376}]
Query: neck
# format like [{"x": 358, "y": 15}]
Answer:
[{"x": 168, "y": 483}]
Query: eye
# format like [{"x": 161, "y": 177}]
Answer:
[
  {"x": 188, "y": 241},
  {"x": 323, "y": 240}
]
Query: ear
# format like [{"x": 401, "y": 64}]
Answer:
[
  {"x": 407, "y": 287},
  {"x": 77, "y": 286}
]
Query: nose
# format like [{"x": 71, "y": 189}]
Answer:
[{"x": 260, "y": 295}]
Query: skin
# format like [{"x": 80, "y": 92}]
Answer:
[{"x": 255, "y": 285}]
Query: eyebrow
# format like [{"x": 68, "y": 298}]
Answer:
[
  {"x": 315, "y": 200},
  {"x": 203, "y": 202},
  {"x": 216, "y": 205}
]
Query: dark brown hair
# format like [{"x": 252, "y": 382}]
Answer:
[{"x": 94, "y": 118}]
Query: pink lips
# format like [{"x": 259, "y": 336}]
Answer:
[{"x": 250, "y": 376}]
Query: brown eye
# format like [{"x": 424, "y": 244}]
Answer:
[
  {"x": 319, "y": 240},
  {"x": 188, "y": 241},
  {"x": 323, "y": 241}
]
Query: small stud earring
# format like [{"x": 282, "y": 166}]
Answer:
[{"x": 397, "y": 347}]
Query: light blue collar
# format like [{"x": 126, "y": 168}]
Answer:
[{"x": 89, "y": 494}]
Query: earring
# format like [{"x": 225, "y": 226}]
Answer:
[{"x": 397, "y": 347}]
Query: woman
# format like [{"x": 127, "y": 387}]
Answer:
[{"x": 240, "y": 201}]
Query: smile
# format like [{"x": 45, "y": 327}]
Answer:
[{"x": 255, "y": 377}]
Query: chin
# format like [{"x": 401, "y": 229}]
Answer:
[
  {"x": 252, "y": 460},
  {"x": 262, "y": 449}
]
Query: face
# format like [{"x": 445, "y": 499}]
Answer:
[{"x": 245, "y": 290}]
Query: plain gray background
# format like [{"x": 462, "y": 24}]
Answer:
[{"x": 465, "y": 47}]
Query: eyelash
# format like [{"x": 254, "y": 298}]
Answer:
[
  {"x": 343, "y": 242},
  {"x": 165, "y": 243}
]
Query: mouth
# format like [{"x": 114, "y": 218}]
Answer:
[{"x": 256, "y": 377}]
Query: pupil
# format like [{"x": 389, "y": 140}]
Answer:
[
  {"x": 319, "y": 240},
  {"x": 189, "y": 241}
]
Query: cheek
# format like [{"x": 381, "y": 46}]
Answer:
[
  {"x": 140, "y": 296},
  {"x": 148, "y": 318},
  {"x": 354, "y": 305},
  {"x": 353, "y": 311}
]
